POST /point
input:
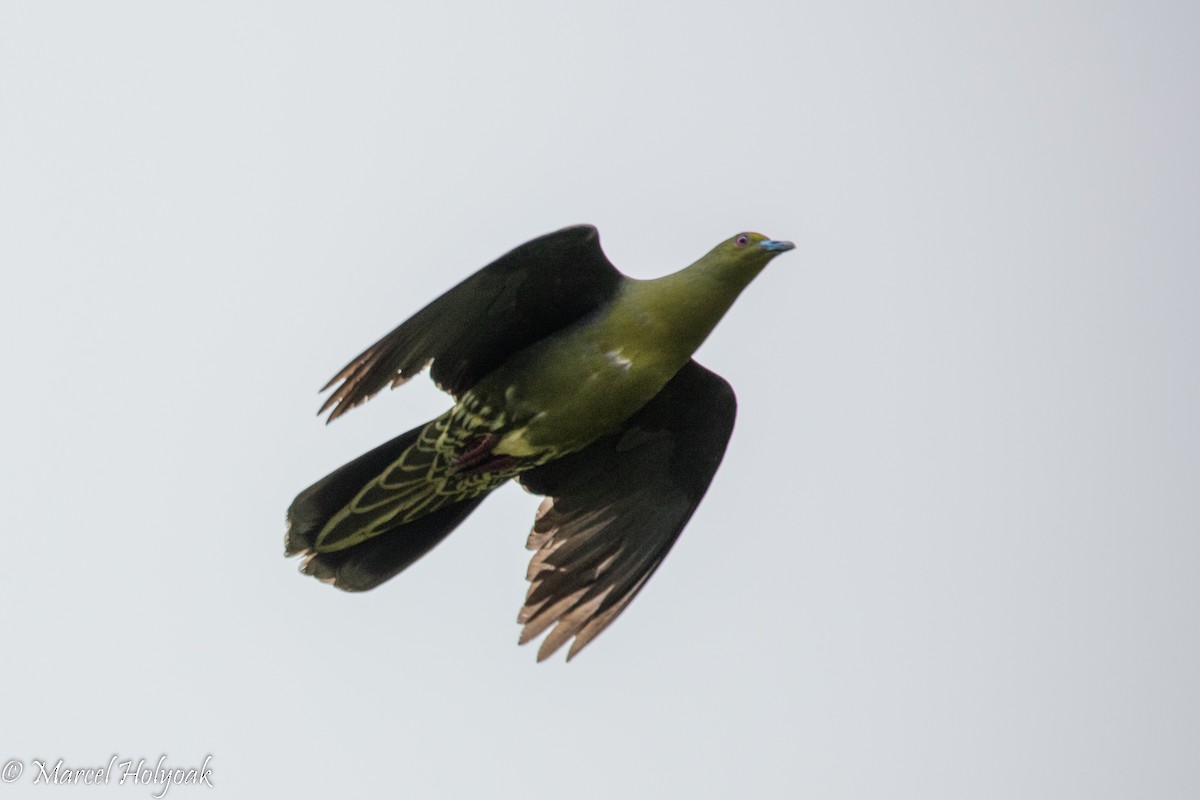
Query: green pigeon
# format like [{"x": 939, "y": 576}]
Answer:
[{"x": 568, "y": 376}]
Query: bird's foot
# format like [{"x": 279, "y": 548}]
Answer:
[{"x": 477, "y": 457}]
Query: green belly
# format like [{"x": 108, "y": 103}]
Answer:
[{"x": 563, "y": 394}]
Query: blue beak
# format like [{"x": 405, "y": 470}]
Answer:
[{"x": 776, "y": 246}]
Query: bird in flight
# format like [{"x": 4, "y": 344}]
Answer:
[{"x": 568, "y": 376}]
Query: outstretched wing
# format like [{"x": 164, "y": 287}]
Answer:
[
  {"x": 521, "y": 297},
  {"x": 613, "y": 510}
]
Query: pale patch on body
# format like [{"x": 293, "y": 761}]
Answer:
[
  {"x": 616, "y": 358},
  {"x": 515, "y": 444}
]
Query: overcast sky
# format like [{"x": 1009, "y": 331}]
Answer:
[{"x": 953, "y": 549}]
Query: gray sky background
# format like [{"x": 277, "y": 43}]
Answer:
[{"x": 952, "y": 551}]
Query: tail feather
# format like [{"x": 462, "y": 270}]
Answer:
[
  {"x": 423, "y": 477},
  {"x": 372, "y": 561}
]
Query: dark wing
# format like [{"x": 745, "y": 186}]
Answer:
[
  {"x": 521, "y": 297},
  {"x": 613, "y": 510}
]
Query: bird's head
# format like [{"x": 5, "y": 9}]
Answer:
[{"x": 750, "y": 249}]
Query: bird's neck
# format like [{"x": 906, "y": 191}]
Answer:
[{"x": 684, "y": 307}]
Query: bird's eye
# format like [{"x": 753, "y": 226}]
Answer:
[{"x": 742, "y": 240}]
